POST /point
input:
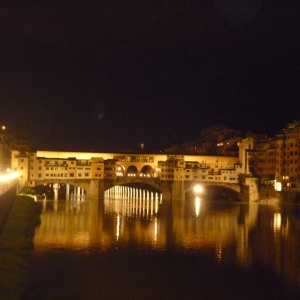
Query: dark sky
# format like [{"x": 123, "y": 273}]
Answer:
[{"x": 108, "y": 75}]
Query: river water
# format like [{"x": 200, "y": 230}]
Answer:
[{"x": 137, "y": 246}]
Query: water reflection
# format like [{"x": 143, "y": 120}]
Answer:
[
  {"x": 131, "y": 202},
  {"x": 226, "y": 233}
]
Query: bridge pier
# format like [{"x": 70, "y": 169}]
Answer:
[
  {"x": 174, "y": 190},
  {"x": 67, "y": 192},
  {"x": 96, "y": 189},
  {"x": 249, "y": 189},
  {"x": 178, "y": 190}
]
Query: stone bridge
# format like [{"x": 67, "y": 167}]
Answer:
[{"x": 95, "y": 188}]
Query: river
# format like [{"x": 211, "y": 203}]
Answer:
[{"x": 137, "y": 246}]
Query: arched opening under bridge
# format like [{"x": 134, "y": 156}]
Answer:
[
  {"x": 215, "y": 193},
  {"x": 58, "y": 190},
  {"x": 147, "y": 171},
  {"x": 142, "y": 185},
  {"x": 132, "y": 171}
]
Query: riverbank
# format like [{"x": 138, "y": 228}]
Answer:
[{"x": 16, "y": 248}]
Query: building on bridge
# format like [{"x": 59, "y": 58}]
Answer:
[
  {"x": 84, "y": 169},
  {"x": 222, "y": 169},
  {"x": 48, "y": 166}
]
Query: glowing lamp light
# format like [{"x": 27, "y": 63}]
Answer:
[
  {"x": 198, "y": 188},
  {"x": 9, "y": 176},
  {"x": 278, "y": 186}
]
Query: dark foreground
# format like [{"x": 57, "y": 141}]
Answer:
[
  {"x": 133, "y": 274},
  {"x": 16, "y": 249},
  {"x": 144, "y": 249}
]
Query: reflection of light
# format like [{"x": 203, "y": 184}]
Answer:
[
  {"x": 277, "y": 221},
  {"x": 219, "y": 252},
  {"x": 156, "y": 203},
  {"x": 44, "y": 204},
  {"x": 198, "y": 188},
  {"x": 118, "y": 226},
  {"x": 197, "y": 206},
  {"x": 129, "y": 201},
  {"x": 155, "y": 230}
]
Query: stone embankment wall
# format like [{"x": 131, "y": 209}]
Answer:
[
  {"x": 268, "y": 193},
  {"x": 287, "y": 195},
  {"x": 290, "y": 196},
  {"x": 16, "y": 248},
  {"x": 6, "y": 202}
]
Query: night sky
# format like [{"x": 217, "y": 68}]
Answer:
[{"x": 108, "y": 75}]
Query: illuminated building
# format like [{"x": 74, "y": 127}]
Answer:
[
  {"x": 287, "y": 154},
  {"x": 8, "y": 142}
]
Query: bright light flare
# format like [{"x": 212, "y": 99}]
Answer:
[
  {"x": 198, "y": 188},
  {"x": 277, "y": 221},
  {"x": 9, "y": 176}
]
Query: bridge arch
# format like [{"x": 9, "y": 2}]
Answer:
[
  {"x": 132, "y": 171},
  {"x": 140, "y": 183},
  {"x": 62, "y": 188},
  {"x": 120, "y": 170},
  {"x": 216, "y": 190},
  {"x": 143, "y": 186},
  {"x": 147, "y": 171}
]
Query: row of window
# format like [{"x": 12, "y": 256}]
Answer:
[
  {"x": 56, "y": 163},
  {"x": 201, "y": 177},
  {"x": 66, "y": 175},
  {"x": 134, "y": 158},
  {"x": 202, "y": 171},
  {"x": 286, "y": 170},
  {"x": 284, "y": 153}
]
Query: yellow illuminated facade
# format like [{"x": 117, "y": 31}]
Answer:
[
  {"x": 8, "y": 142},
  {"x": 51, "y": 165},
  {"x": 287, "y": 154},
  {"x": 216, "y": 169}
]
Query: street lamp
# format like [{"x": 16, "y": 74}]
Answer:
[{"x": 198, "y": 189}]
